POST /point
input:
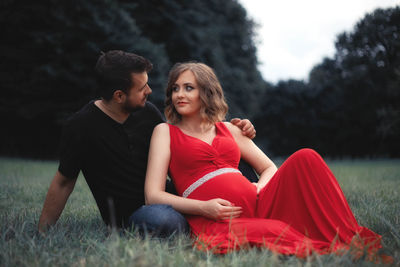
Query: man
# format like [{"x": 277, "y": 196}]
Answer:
[{"x": 108, "y": 140}]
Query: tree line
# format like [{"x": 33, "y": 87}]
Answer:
[{"x": 349, "y": 106}]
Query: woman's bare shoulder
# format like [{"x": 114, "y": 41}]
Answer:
[
  {"x": 235, "y": 131},
  {"x": 161, "y": 128}
]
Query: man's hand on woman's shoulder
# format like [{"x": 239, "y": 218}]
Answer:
[{"x": 245, "y": 126}]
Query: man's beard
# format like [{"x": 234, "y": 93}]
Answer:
[{"x": 130, "y": 108}]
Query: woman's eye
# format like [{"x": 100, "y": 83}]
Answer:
[
  {"x": 189, "y": 88},
  {"x": 175, "y": 88}
]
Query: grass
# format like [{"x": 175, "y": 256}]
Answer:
[{"x": 81, "y": 239}]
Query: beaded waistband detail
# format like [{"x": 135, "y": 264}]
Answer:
[{"x": 205, "y": 178}]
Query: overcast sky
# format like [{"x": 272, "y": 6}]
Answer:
[{"x": 295, "y": 35}]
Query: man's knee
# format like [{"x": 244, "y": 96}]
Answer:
[{"x": 158, "y": 220}]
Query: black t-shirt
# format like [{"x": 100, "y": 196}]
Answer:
[{"x": 112, "y": 157}]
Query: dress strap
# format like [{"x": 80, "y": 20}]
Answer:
[
  {"x": 223, "y": 129},
  {"x": 173, "y": 131}
]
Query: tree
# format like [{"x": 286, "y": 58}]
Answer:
[
  {"x": 351, "y": 103},
  {"x": 216, "y": 32},
  {"x": 48, "y": 55},
  {"x": 288, "y": 121},
  {"x": 369, "y": 60}
]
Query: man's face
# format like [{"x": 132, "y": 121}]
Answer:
[{"x": 136, "y": 96}]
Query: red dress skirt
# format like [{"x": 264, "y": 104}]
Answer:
[{"x": 301, "y": 210}]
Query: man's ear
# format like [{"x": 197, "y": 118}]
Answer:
[{"x": 118, "y": 96}]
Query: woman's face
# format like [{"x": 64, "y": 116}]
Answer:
[{"x": 186, "y": 94}]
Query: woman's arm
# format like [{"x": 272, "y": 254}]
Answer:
[
  {"x": 254, "y": 156},
  {"x": 157, "y": 169}
]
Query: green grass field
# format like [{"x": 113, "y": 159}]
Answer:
[{"x": 80, "y": 238}]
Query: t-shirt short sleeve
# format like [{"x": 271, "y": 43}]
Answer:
[{"x": 71, "y": 147}]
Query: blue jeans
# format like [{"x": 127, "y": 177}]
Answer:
[{"x": 159, "y": 220}]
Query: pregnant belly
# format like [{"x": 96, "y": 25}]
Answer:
[{"x": 233, "y": 187}]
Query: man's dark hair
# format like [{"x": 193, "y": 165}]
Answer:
[{"x": 114, "y": 69}]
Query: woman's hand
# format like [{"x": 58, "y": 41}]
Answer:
[
  {"x": 220, "y": 209},
  {"x": 246, "y": 126}
]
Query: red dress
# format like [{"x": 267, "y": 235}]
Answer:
[{"x": 302, "y": 209}]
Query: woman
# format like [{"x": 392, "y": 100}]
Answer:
[{"x": 294, "y": 210}]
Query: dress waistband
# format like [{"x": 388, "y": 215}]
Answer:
[{"x": 205, "y": 178}]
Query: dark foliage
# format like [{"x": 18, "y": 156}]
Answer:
[
  {"x": 48, "y": 53},
  {"x": 351, "y": 104},
  {"x": 215, "y": 32}
]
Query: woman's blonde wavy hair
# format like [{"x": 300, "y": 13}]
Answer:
[{"x": 213, "y": 108}]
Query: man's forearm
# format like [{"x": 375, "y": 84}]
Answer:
[
  {"x": 59, "y": 191},
  {"x": 52, "y": 208}
]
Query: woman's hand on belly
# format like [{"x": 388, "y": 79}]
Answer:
[{"x": 220, "y": 209}]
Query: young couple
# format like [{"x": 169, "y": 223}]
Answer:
[
  {"x": 295, "y": 209},
  {"x": 108, "y": 140}
]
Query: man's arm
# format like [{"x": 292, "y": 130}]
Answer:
[{"x": 58, "y": 194}]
